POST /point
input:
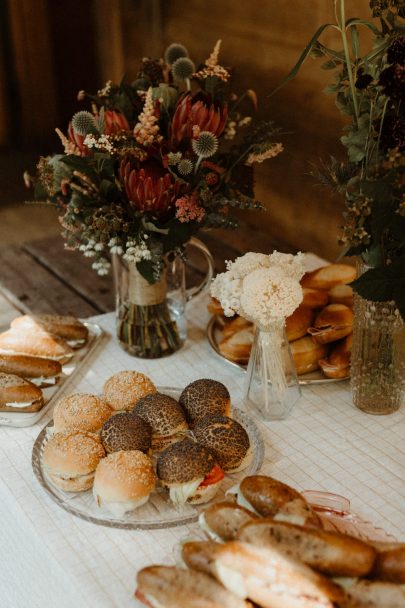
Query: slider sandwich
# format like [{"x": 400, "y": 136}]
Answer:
[
  {"x": 269, "y": 497},
  {"x": 170, "y": 587},
  {"x": 42, "y": 372},
  {"x": 126, "y": 431},
  {"x": 124, "y": 389},
  {"x": 165, "y": 417},
  {"x": 204, "y": 397},
  {"x": 265, "y": 576},
  {"x": 223, "y": 520},
  {"x": 82, "y": 412},
  {"x": 70, "y": 459},
  {"x": 19, "y": 395},
  {"x": 65, "y": 326},
  {"x": 227, "y": 439},
  {"x": 190, "y": 472},
  {"x": 37, "y": 344},
  {"x": 123, "y": 481}
]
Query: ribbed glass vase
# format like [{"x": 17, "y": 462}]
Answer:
[
  {"x": 378, "y": 357},
  {"x": 272, "y": 386}
]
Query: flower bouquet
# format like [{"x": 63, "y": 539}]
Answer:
[
  {"x": 149, "y": 164},
  {"x": 265, "y": 289}
]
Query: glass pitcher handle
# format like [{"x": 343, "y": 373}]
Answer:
[{"x": 191, "y": 292}]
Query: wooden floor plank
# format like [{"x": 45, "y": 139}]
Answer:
[
  {"x": 32, "y": 288},
  {"x": 72, "y": 268}
]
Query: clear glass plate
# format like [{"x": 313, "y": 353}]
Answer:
[
  {"x": 157, "y": 512},
  {"x": 214, "y": 336}
]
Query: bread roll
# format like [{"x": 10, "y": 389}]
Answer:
[
  {"x": 306, "y": 354},
  {"x": 314, "y": 298},
  {"x": 296, "y": 325},
  {"x": 341, "y": 294},
  {"x": 331, "y": 553},
  {"x": 82, "y": 412},
  {"x": 223, "y": 520},
  {"x": 37, "y": 344},
  {"x": 337, "y": 365},
  {"x": 19, "y": 395},
  {"x": 375, "y": 594},
  {"x": 237, "y": 347},
  {"x": 122, "y": 390},
  {"x": 42, "y": 372},
  {"x": 390, "y": 563},
  {"x": 65, "y": 326},
  {"x": 204, "y": 397},
  {"x": 214, "y": 307},
  {"x": 236, "y": 324},
  {"x": 328, "y": 276},
  {"x": 335, "y": 321}
]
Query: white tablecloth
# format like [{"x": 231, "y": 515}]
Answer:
[{"x": 50, "y": 558}]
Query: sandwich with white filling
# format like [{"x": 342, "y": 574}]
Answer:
[
  {"x": 19, "y": 395},
  {"x": 171, "y": 587},
  {"x": 190, "y": 472},
  {"x": 223, "y": 520},
  {"x": 166, "y": 418},
  {"x": 41, "y": 372},
  {"x": 70, "y": 459},
  {"x": 65, "y": 326},
  {"x": 17, "y": 341}
]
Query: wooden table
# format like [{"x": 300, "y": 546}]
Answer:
[{"x": 42, "y": 277}]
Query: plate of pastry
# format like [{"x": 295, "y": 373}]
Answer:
[
  {"x": 139, "y": 456},
  {"x": 319, "y": 330},
  {"x": 40, "y": 354}
]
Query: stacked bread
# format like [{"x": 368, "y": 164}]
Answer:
[
  {"x": 268, "y": 547},
  {"x": 32, "y": 353},
  {"x": 319, "y": 330},
  {"x": 138, "y": 437}
]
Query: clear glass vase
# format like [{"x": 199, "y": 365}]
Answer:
[
  {"x": 151, "y": 321},
  {"x": 378, "y": 357},
  {"x": 272, "y": 386}
]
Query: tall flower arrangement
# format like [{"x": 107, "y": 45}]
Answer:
[
  {"x": 369, "y": 90},
  {"x": 151, "y": 162}
]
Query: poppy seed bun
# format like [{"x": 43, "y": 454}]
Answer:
[
  {"x": 163, "y": 413},
  {"x": 227, "y": 438},
  {"x": 184, "y": 462},
  {"x": 126, "y": 431},
  {"x": 204, "y": 397},
  {"x": 65, "y": 326},
  {"x": 70, "y": 459},
  {"x": 123, "y": 481},
  {"x": 123, "y": 390},
  {"x": 82, "y": 412}
]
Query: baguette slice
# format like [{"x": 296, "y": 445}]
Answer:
[
  {"x": 36, "y": 343},
  {"x": 42, "y": 372},
  {"x": 328, "y": 552},
  {"x": 375, "y": 594},
  {"x": 341, "y": 294},
  {"x": 266, "y": 576},
  {"x": 328, "y": 276},
  {"x": 171, "y": 587},
  {"x": 65, "y": 326},
  {"x": 19, "y": 395},
  {"x": 223, "y": 520}
]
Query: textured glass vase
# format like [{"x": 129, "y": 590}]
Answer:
[
  {"x": 272, "y": 386},
  {"x": 378, "y": 357}
]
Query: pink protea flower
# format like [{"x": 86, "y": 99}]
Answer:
[
  {"x": 150, "y": 188},
  {"x": 114, "y": 122},
  {"x": 197, "y": 111},
  {"x": 77, "y": 142},
  {"x": 188, "y": 209}
]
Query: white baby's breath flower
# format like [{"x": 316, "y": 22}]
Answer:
[
  {"x": 114, "y": 241},
  {"x": 99, "y": 246},
  {"x": 89, "y": 253},
  {"x": 269, "y": 296},
  {"x": 116, "y": 249}
]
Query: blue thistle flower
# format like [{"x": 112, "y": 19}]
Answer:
[
  {"x": 205, "y": 145},
  {"x": 175, "y": 51},
  {"x": 84, "y": 123},
  {"x": 183, "y": 68}
]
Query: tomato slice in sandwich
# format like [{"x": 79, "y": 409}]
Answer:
[
  {"x": 140, "y": 596},
  {"x": 215, "y": 475}
]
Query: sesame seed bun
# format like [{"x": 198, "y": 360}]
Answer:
[
  {"x": 70, "y": 459},
  {"x": 126, "y": 431},
  {"x": 82, "y": 412},
  {"x": 227, "y": 438},
  {"x": 184, "y": 462},
  {"x": 204, "y": 397},
  {"x": 123, "y": 481},
  {"x": 163, "y": 413},
  {"x": 123, "y": 390}
]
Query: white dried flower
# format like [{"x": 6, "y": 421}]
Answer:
[
  {"x": 99, "y": 246},
  {"x": 116, "y": 249},
  {"x": 89, "y": 253},
  {"x": 245, "y": 264},
  {"x": 292, "y": 265}
]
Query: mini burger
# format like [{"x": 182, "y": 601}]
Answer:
[
  {"x": 165, "y": 417},
  {"x": 19, "y": 395},
  {"x": 65, "y": 326},
  {"x": 124, "y": 389},
  {"x": 205, "y": 397},
  {"x": 70, "y": 459},
  {"x": 190, "y": 472},
  {"x": 42, "y": 372},
  {"x": 227, "y": 438},
  {"x": 126, "y": 431},
  {"x": 82, "y": 412},
  {"x": 124, "y": 481}
]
